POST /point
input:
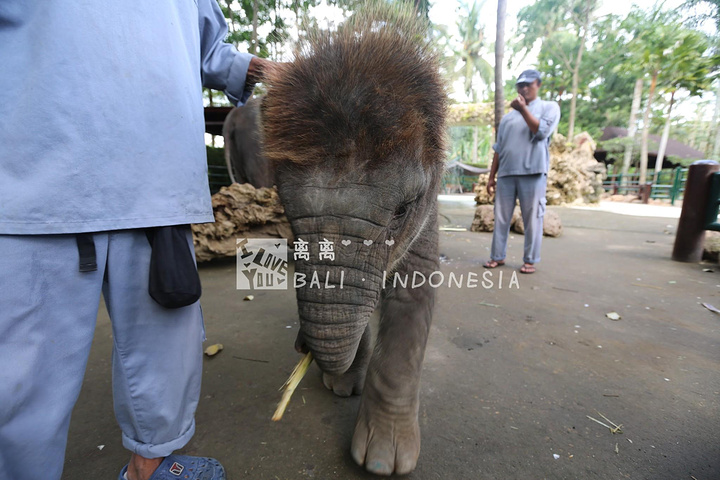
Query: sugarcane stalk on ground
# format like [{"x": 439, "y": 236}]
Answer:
[{"x": 291, "y": 384}]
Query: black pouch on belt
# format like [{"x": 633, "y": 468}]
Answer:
[{"x": 174, "y": 279}]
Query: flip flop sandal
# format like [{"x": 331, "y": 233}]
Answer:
[
  {"x": 184, "y": 467},
  {"x": 527, "y": 269},
  {"x": 493, "y": 264}
]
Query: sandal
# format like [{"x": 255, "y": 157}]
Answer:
[
  {"x": 527, "y": 268},
  {"x": 185, "y": 467},
  {"x": 494, "y": 264}
]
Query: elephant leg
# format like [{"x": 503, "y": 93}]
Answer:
[
  {"x": 352, "y": 381},
  {"x": 387, "y": 433}
]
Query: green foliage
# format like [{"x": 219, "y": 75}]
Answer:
[
  {"x": 698, "y": 17},
  {"x": 461, "y": 144},
  {"x": 466, "y": 51},
  {"x": 215, "y": 156},
  {"x": 618, "y": 52}
]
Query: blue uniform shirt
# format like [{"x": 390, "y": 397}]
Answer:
[
  {"x": 101, "y": 112},
  {"x": 521, "y": 152}
]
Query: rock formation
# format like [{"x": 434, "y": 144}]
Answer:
[
  {"x": 241, "y": 211},
  {"x": 484, "y": 221}
]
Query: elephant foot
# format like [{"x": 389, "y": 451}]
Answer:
[
  {"x": 386, "y": 443},
  {"x": 346, "y": 384}
]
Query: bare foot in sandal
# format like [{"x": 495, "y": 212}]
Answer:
[
  {"x": 494, "y": 264},
  {"x": 527, "y": 268}
]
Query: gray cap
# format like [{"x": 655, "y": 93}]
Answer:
[{"x": 529, "y": 76}]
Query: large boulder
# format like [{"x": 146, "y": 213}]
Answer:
[
  {"x": 241, "y": 211},
  {"x": 480, "y": 190},
  {"x": 575, "y": 176},
  {"x": 711, "y": 250},
  {"x": 484, "y": 221},
  {"x": 552, "y": 226}
]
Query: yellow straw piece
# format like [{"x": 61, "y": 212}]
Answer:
[{"x": 291, "y": 384}]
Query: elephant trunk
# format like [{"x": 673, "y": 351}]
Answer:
[{"x": 335, "y": 306}]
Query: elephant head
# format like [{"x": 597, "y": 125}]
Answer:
[{"x": 354, "y": 128}]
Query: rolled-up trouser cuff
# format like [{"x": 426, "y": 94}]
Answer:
[{"x": 160, "y": 450}]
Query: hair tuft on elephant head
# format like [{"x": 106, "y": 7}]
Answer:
[{"x": 378, "y": 72}]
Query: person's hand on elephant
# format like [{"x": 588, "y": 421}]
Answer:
[{"x": 259, "y": 68}]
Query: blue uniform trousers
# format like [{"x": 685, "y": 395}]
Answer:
[
  {"x": 48, "y": 312},
  {"x": 530, "y": 191}
]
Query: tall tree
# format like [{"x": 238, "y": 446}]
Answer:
[
  {"x": 470, "y": 50},
  {"x": 468, "y": 53},
  {"x": 716, "y": 125},
  {"x": 553, "y": 22},
  {"x": 499, "y": 54},
  {"x": 632, "y": 129},
  {"x": 655, "y": 35},
  {"x": 698, "y": 15},
  {"x": 689, "y": 67}
]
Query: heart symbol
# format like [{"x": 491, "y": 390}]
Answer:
[
  {"x": 246, "y": 264},
  {"x": 277, "y": 245},
  {"x": 390, "y": 242},
  {"x": 367, "y": 242},
  {"x": 346, "y": 242}
]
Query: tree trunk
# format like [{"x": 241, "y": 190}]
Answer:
[
  {"x": 576, "y": 74},
  {"x": 699, "y": 112},
  {"x": 231, "y": 20},
  {"x": 632, "y": 129},
  {"x": 499, "y": 52},
  {"x": 475, "y": 145},
  {"x": 253, "y": 44},
  {"x": 646, "y": 131},
  {"x": 716, "y": 126},
  {"x": 664, "y": 140}
]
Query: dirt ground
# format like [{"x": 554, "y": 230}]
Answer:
[{"x": 510, "y": 375}]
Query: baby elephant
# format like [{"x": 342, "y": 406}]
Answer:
[{"x": 355, "y": 130}]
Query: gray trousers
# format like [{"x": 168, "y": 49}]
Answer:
[
  {"x": 48, "y": 311},
  {"x": 530, "y": 190}
]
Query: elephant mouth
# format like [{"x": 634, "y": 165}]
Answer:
[
  {"x": 300, "y": 344},
  {"x": 332, "y": 356}
]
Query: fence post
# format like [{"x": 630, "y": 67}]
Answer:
[
  {"x": 690, "y": 235},
  {"x": 675, "y": 185},
  {"x": 645, "y": 191}
]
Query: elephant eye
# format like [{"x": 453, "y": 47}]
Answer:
[{"x": 401, "y": 211}]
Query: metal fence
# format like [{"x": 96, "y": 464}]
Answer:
[
  {"x": 218, "y": 177},
  {"x": 670, "y": 184},
  {"x": 452, "y": 183}
]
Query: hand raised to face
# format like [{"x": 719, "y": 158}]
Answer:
[{"x": 519, "y": 103}]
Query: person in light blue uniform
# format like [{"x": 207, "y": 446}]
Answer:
[
  {"x": 521, "y": 163},
  {"x": 102, "y": 132}
]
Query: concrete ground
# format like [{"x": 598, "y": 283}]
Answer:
[{"x": 510, "y": 375}]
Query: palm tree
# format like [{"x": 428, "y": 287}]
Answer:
[
  {"x": 656, "y": 34},
  {"x": 499, "y": 51},
  {"x": 469, "y": 52}
]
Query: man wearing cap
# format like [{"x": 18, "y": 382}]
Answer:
[{"x": 521, "y": 164}]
